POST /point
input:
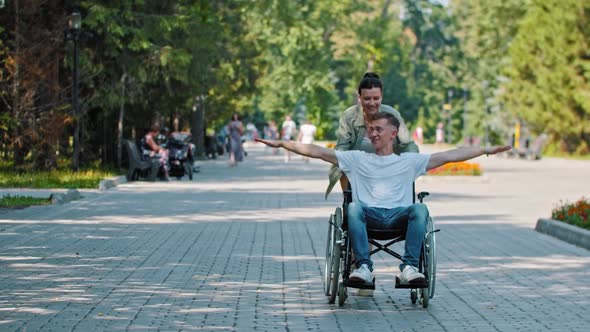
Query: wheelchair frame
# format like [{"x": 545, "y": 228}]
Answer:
[{"x": 339, "y": 256}]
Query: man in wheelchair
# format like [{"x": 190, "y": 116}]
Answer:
[{"x": 382, "y": 190}]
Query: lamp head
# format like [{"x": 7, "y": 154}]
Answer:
[{"x": 75, "y": 21}]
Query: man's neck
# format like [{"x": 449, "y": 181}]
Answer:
[{"x": 386, "y": 151}]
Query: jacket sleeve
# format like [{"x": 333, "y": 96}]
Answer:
[
  {"x": 344, "y": 141},
  {"x": 344, "y": 134}
]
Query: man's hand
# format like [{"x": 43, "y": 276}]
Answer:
[
  {"x": 461, "y": 154},
  {"x": 496, "y": 149},
  {"x": 271, "y": 143}
]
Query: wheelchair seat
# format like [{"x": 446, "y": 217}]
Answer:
[{"x": 386, "y": 234}]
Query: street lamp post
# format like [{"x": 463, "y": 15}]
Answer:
[
  {"x": 450, "y": 117},
  {"x": 74, "y": 26},
  {"x": 465, "y": 137}
]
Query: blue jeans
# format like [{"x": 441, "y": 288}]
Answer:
[{"x": 412, "y": 218}]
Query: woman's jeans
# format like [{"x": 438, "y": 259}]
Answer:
[{"x": 412, "y": 219}]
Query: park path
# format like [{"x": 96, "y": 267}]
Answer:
[{"x": 242, "y": 249}]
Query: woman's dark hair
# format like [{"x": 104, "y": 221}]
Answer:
[
  {"x": 235, "y": 117},
  {"x": 370, "y": 80}
]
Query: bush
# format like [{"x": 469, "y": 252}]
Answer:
[
  {"x": 577, "y": 214},
  {"x": 458, "y": 168}
]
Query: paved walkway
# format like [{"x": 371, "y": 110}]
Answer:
[{"x": 242, "y": 249}]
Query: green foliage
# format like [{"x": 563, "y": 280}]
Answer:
[
  {"x": 550, "y": 73},
  {"x": 19, "y": 201},
  {"x": 519, "y": 60}
]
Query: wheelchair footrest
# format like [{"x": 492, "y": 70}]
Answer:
[
  {"x": 400, "y": 284},
  {"x": 360, "y": 285}
]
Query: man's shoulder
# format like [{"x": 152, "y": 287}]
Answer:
[
  {"x": 414, "y": 157},
  {"x": 350, "y": 152}
]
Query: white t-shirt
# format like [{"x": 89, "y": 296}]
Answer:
[
  {"x": 382, "y": 181},
  {"x": 288, "y": 127},
  {"x": 307, "y": 133}
]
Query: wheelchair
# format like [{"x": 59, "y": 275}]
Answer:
[{"x": 339, "y": 261}]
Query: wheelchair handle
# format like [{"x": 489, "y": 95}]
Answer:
[
  {"x": 434, "y": 231},
  {"x": 422, "y": 194}
]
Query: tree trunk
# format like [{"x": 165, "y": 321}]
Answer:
[
  {"x": 198, "y": 127},
  {"x": 120, "y": 123},
  {"x": 77, "y": 116}
]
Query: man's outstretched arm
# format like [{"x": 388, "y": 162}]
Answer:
[
  {"x": 308, "y": 150},
  {"x": 461, "y": 154}
]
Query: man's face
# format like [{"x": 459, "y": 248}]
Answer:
[
  {"x": 370, "y": 100},
  {"x": 381, "y": 133}
]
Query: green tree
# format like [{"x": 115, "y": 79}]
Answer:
[
  {"x": 549, "y": 75},
  {"x": 486, "y": 30}
]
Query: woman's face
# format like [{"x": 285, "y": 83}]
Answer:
[{"x": 370, "y": 100}]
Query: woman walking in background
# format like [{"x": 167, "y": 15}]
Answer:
[
  {"x": 306, "y": 134},
  {"x": 236, "y": 129}
]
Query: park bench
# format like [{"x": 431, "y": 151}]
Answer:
[
  {"x": 530, "y": 151},
  {"x": 137, "y": 166}
]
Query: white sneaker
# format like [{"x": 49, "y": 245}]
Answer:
[
  {"x": 362, "y": 274},
  {"x": 411, "y": 275}
]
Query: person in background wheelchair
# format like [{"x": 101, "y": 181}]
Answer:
[{"x": 382, "y": 190}]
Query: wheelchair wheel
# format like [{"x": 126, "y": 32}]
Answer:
[
  {"x": 431, "y": 257},
  {"x": 413, "y": 295},
  {"x": 429, "y": 264},
  {"x": 328, "y": 258},
  {"x": 336, "y": 250}
]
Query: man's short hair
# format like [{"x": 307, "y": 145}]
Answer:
[{"x": 391, "y": 119}]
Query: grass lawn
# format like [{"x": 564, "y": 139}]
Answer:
[
  {"x": 63, "y": 177},
  {"x": 16, "y": 201}
]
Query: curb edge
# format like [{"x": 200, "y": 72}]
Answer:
[{"x": 565, "y": 232}]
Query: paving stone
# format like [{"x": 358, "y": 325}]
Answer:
[{"x": 242, "y": 249}]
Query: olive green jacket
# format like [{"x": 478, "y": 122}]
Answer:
[{"x": 350, "y": 135}]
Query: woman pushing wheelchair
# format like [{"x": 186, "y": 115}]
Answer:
[{"x": 382, "y": 189}]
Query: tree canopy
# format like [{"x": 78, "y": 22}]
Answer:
[{"x": 190, "y": 64}]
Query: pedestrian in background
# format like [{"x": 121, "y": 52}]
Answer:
[
  {"x": 288, "y": 130},
  {"x": 440, "y": 133},
  {"x": 236, "y": 129},
  {"x": 272, "y": 132},
  {"x": 306, "y": 135}
]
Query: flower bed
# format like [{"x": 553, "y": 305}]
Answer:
[
  {"x": 577, "y": 214},
  {"x": 458, "y": 168}
]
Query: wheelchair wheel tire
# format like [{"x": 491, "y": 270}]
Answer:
[
  {"x": 431, "y": 257},
  {"x": 413, "y": 295},
  {"x": 336, "y": 254},
  {"x": 424, "y": 297},
  {"x": 429, "y": 264},
  {"x": 328, "y": 258},
  {"x": 342, "y": 294}
]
